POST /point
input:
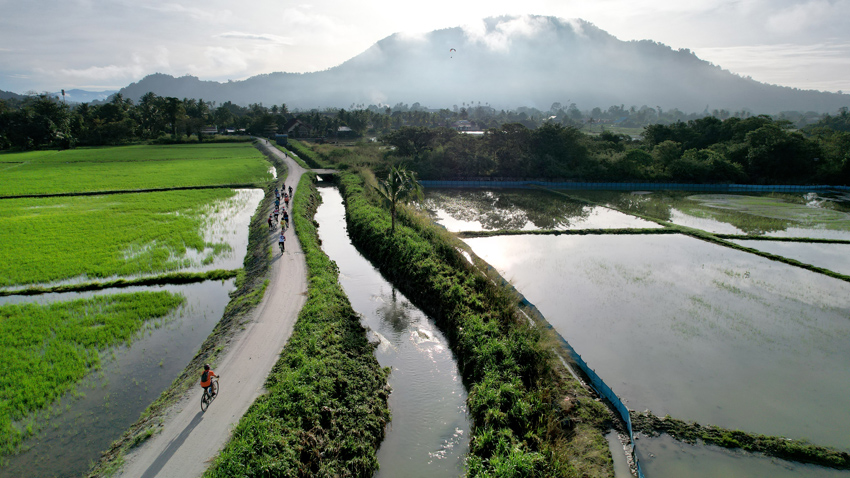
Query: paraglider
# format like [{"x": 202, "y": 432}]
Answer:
[{"x": 450, "y": 52}]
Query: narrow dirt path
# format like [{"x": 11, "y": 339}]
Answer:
[{"x": 190, "y": 438}]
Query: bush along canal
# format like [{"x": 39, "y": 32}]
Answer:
[
  {"x": 325, "y": 409},
  {"x": 530, "y": 417},
  {"x": 71, "y": 432},
  {"x": 429, "y": 432}
]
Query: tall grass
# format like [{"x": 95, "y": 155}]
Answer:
[
  {"x": 47, "y": 349},
  {"x": 522, "y": 425},
  {"x": 326, "y": 406}
]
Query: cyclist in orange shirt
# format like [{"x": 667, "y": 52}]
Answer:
[{"x": 206, "y": 380}]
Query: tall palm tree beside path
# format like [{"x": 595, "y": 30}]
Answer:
[{"x": 399, "y": 186}]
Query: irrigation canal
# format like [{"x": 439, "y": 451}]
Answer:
[{"x": 429, "y": 432}]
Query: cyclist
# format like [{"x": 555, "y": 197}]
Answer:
[
  {"x": 281, "y": 242},
  {"x": 286, "y": 217},
  {"x": 206, "y": 380}
]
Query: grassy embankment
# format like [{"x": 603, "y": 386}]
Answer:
[
  {"x": 47, "y": 349},
  {"x": 294, "y": 157},
  {"x": 96, "y": 237},
  {"x": 530, "y": 418},
  {"x": 326, "y": 406},
  {"x": 131, "y": 168},
  {"x": 780, "y": 447}
]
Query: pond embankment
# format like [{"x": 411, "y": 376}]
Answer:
[{"x": 528, "y": 413}]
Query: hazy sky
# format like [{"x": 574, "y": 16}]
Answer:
[{"x": 46, "y": 45}]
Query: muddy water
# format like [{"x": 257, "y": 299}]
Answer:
[
  {"x": 429, "y": 432},
  {"x": 130, "y": 379},
  {"x": 488, "y": 210},
  {"x": 227, "y": 222},
  {"x": 697, "y": 331},
  {"x": 664, "y": 457}
]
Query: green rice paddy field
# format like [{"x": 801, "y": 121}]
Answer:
[
  {"x": 130, "y": 168},
  {"x": 57, "y": 238},
  {"x": 47, "y": 349}
]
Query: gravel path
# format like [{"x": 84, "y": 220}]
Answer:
[{"x": 190, "y": 439}]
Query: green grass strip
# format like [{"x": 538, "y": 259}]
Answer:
[
  {"x": 47, "y": 349},
  {"x": 814, "y": 240},
  {"x": 780, "y": 447},
  {"x": 566, "y": 232},
  {"x": 523, "y": 424},
  {"x": 306, "y": 154},
  {"x": 173, "y": 278},
  {"x": 293, "y": 156},
  {"x": 326, "y": 406}
]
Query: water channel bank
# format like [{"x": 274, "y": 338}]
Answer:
[
  {"x": 429, "y": 432},
  {"x": 527, "y": 411}
]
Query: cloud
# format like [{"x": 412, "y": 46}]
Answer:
[
  {"x": 498, "y": 36},
  {"x": 263, "y": 37}
]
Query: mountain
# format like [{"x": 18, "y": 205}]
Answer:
[
  {"x": 8, "y": 95},
  {"x": 507, "y": 63}
]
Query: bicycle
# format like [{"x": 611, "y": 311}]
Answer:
[{"x": 206, "y": 398}]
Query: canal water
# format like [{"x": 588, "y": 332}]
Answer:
[
  {"x": 131, "y": 378},
  {"x": 429, "y": 432}
]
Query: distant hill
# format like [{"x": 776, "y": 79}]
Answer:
[
  {"x": 511, "y": 62},
  {"x": 8, "y": 95}
]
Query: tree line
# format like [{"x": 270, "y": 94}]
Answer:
[{"x": 758, "y": 149}]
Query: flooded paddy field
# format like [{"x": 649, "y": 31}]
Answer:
[
  {"x": 823, "y": 216},
  {"x": 75, "y": 430},
  {"x": 123, "y": 236},
  {"x": 701, "y": 332},
  {"x": 429, "y": 432},
  {"x": 521, "y": 209},
  {"x": 665, "y": 457}
]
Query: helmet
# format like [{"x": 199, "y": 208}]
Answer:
[{"x": 206, "y": 366}]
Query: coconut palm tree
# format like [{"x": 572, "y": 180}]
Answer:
[{"x": 400, "y": 186}]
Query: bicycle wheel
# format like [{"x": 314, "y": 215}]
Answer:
[{"x": 205, "y": 401}]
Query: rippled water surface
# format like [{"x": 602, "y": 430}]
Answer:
[{"x": 429, "y": 432}]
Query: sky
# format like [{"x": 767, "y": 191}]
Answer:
[{"x": 48, "y": 45}]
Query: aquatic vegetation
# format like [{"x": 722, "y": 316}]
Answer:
[
  {"x": 47, "y": 349},
  {"x": 50, "y": 239},
  {"x": 129, "y": 168},
  {"x": 326, "y": 406}
]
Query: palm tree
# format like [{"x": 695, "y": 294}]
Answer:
[{"x": 400, "y": 186}]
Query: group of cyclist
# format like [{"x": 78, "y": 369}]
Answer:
[{"x": 284, "y": 214}]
